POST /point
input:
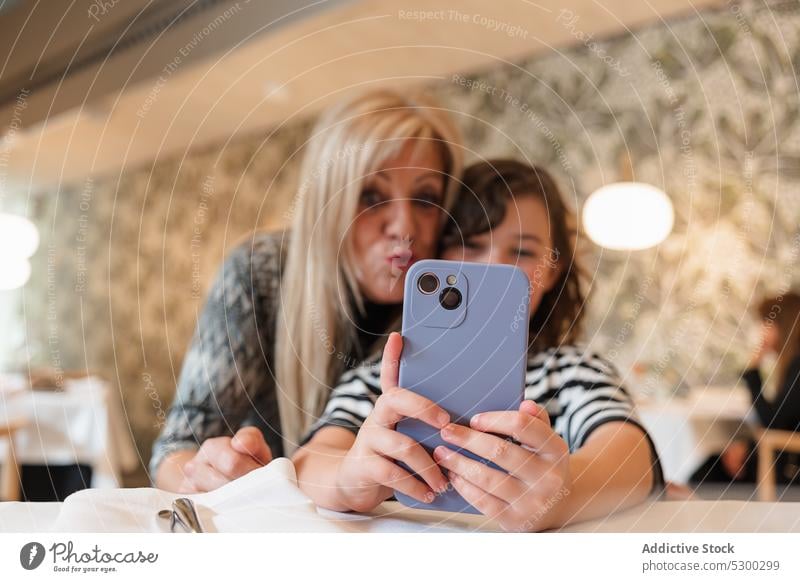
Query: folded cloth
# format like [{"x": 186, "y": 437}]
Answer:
[{"x": 264, "y": 500}]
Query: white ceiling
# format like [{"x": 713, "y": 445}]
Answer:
[{"x": 298, "y": 69}]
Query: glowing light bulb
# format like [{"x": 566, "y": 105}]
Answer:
[{"x": 628, "y": 216}]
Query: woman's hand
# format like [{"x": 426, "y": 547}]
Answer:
[
  {"x": 538, "y": 479},
  {"x": 223, "y": 459},
  {"x": 734, "y": 458},
  {"x": 368, "y": 473}
]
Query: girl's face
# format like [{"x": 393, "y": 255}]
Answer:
[
  {"x": 398, "y": 220},
  {"x": 523, "y": 240}
]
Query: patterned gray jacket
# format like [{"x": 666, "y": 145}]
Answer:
[{"x": 227, "y": 380}]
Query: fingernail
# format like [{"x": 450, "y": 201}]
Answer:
[
  {"x": 451, "y": 431},
  {"x": 441, "y": 487},
  {"x": 476, "y": 420},
  {"x": 440, "y": 453},
  {"x": 429, "y": 497}
]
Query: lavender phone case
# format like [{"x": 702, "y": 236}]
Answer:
[{"x": 468, "y": 360}]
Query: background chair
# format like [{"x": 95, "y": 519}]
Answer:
[
  {"x": 9, "y": 473},
  {"x": 768, "y": 443}
]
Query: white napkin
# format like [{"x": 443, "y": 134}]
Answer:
[{"x": 264, "y": 500}]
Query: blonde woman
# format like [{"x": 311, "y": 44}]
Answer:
[{"x": 290, "y": 311}]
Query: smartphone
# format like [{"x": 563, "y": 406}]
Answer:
[{"x": 465, "y": 347}]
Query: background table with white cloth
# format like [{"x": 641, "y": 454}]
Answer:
[
  {"x": 83, "y": 423},
  {"x": 689, "y": 429}
]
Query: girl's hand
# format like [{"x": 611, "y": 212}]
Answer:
[
  {"x": 538, "y": 478},
  {"x": 368, "y": 473}
]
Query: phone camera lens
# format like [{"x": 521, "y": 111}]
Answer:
[
  {"x": 428, "y": 283},
  {"x": 450, "y": 298}
]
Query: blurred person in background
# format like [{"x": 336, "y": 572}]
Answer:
[{"x": 780, "y": 336}]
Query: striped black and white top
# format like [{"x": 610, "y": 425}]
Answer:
[{"x": 580, "y": 390}]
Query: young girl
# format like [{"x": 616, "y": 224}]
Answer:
[{"x": 582, "y": 453}]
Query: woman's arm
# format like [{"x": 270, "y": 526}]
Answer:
[
  {"x": 787, "y": 404},
  {"x": 764, "y": 410},
  {"x": 224, "y": 375},
  {"x": 752, "y": 378}
]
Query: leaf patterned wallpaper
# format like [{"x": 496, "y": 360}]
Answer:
[{"x": 706, "y": 108}]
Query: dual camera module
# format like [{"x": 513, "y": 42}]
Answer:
[{"x": 449, "y": 298}]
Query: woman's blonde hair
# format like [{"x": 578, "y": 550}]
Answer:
[{"x": 315, "y": 327}]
